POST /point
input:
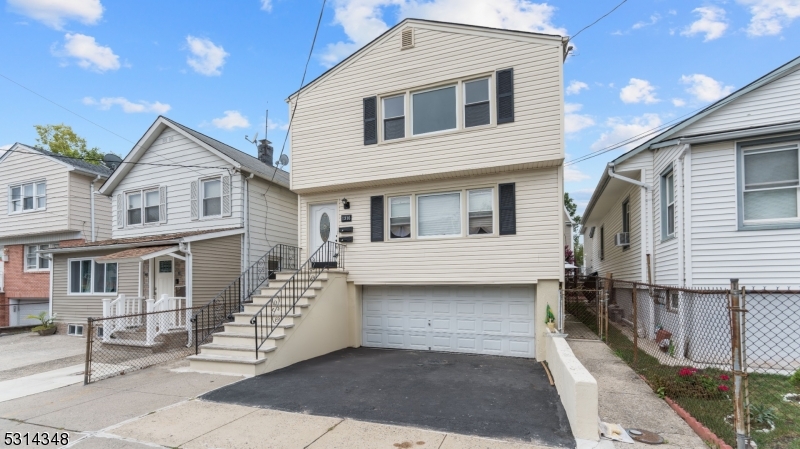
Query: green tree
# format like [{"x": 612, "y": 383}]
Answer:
[
  {"x": 572, "y": 210},
  {"x": 61, "y": 139}
]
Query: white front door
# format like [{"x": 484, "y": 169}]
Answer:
[
  {"x": 323, "y": 227},
  {"x": 479, "y": 319},
  {"x": 165, "y": 279}
]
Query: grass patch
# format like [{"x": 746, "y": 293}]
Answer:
[{"x": 712, "y": 407}]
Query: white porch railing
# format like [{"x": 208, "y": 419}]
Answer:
[
  {"x": 128, "y": 310},
  {"x": 167, "y": 314}
]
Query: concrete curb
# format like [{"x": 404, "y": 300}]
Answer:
[{"x": 702, "y": 431}]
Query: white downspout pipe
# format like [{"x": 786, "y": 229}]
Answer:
[
  {"x": 681, "y": 207},
  {"x": 91, "y": 206}
]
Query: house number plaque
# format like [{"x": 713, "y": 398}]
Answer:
[{"x": 347, "y": 218}]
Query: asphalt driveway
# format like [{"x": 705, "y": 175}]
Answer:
[{"x": 494, "y": 397}]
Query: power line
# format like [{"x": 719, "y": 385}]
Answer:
[
  {"x": 86, "y": 119},
  {"x": 601, "y": 18}
]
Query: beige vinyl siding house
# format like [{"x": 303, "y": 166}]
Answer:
[{"x": 427, "y": 205}]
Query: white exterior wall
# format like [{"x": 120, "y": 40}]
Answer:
[
  {"x": 327, "y": 133},
  {"x": 720, "y": 251},
  {"x": 665, "y": 260},
  {"x": 20, "y": 167},
  {"x": 80, "y": 217},
  {"x": 776, "y": 102},
  {"x": 180, "y": 151},
  {"x": 623, "y": 263},
  {"x": 534, "y": 253},
  {"x": 271, "y": 219}
]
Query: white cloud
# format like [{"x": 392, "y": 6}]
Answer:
[
  {"x": 266, "y": 5},
  {"x": 207, "y": 58},
  {"x": 712, "y": 23},
  {"x": 88, "y": 52},
  {"x": 362, "y": 20},
  {"x": 572, "y": 174},
  {"x": 5, "y": 147},
  {"x": 704, "y": 88},
  {"x": 277, "y": 125},
  {"x": 130, "y": 107},
  {"x": 231, "y": 120},
  {"x": 575, "y": 87},
  {"x": 653, "y": 20},
  {"x": 574, "y": 122},
  {"x": 54, "y": 13},
  {"x": 770, "y": 16},
  {"x": 620, "y": 130},
  {"x": 678, "y": 102},
  {"x": 638, "y": 91}
]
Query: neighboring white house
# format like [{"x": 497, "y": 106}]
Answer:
[
  {"x": 715, "y": 197},
  {"x": 188, "y": 215}
]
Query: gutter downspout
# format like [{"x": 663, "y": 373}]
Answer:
[
  {"x": 91, "y": 206},
  {"x": 682, "y": 199}
]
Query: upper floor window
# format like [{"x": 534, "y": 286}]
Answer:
[
  {"x": 212, "y": 197},
  {"x": 143, "y": 206},
  {"x": 477, "y": 111},
  {"x": 394, "y": 117},
  {"x": 434, "y": 110},
  {"x": 667, "y": 205},
  {"x": 770, "y": 190},
  {"x": 90, "y": 277},
  {"x": 34, "y": 261},
  {"x": 28, "y": 197}
]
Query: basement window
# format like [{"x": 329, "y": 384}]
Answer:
[{"x": 75, "y": 330}]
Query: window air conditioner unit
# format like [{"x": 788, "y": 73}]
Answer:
[{"x": 622, "y": 239}]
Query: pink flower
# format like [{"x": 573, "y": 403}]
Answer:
[
  {"x": 724, "y": 377},
  {"x": 723, "y": 388},
  {"x": 687, "y": 372}
]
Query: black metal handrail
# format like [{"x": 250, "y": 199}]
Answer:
[
  {"x": 213, "y": 316},
  {"x": 329, "y": 255}
]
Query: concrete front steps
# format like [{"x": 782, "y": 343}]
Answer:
[{"x": 233, "y": 351}]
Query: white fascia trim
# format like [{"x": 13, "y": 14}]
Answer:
[
  {"x": 212, "y": 235},
  {"x": 163, "y": 252},
  {"x": 79, "y": 249}
]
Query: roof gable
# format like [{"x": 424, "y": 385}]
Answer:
[
  {"x": 69, "y": 163},
  {"x": 389, "y": 34},
  {"x": 226, "y": 153}
]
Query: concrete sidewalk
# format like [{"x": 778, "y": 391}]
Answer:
[
  {"x": 158, "y": 407},
  {"x": 627, "y": 400}
]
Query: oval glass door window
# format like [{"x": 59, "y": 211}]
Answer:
[{"x": 324, "y": 227}]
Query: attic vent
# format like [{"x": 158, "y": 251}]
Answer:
[{"x": 407, "y": 39}]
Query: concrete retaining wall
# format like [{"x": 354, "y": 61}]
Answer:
[{"x": 576, "y": 387}]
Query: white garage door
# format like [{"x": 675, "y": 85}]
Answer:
[
  {"x": 21, "y": 310},
  {"x": 496, "y": 320}
]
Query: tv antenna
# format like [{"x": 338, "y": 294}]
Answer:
[{"x": 266, "y": 132}]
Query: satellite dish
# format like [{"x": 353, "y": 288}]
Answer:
[
  {"x": 112, "y": 161},
  {"x": 283, "y": 160},
  {"x": 255, "y": 138}
]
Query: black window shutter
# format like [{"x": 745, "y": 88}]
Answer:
[
  {"x": 505, "y": 96},
  {"x": 508, "y": 209},
  {"x": 376, "y": 222},
  {"x": 370, "y": 120}
]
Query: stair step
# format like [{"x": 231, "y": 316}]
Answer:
[
  {"x": 261, "y": 300},
  {"x": 283, "y": 276},
  {"x": 226, "y": 359},
  {"x": 271, "y": 290},
  {"x": 244, "y": 318},
  {"x": 244, "y": 340},
  {"x": 251, "y": 309},
  {"x": 248, "y": 329},
  {"x": 234, "y": 351}
]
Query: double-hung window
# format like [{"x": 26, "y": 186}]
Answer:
[
  {"x": 147, "y": 212},
  {"x": 771, "y": 184},
  {"x": 28, "y": 197},
  {"x": 439, "y": 215},
  {"x": 34, "y": 261},
  {"x": 434, "y": 110},
  {"x": 480, "y": 206},
  {"x": 88, "y": 276},
  {"x": 626, "y": 220},
  {"x": 394, "y": 117},
  {"x": 602, "y": 243},
  {"x": 400, "y": 217},
  {"x": 668, "y": 205},
  {"x": 477, "y": 110},
  {"x": 212, "y": 197}
]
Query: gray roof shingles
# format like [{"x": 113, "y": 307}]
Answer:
[{"x": 78, "y": 164}]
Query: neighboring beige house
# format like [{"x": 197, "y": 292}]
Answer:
[
  {"x": 188, "y": 215},
  {"x": 434, "y": 156},
  {"x": 49, "y": 201}
]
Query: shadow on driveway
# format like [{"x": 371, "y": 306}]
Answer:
[{"x": 488, "y": 396}]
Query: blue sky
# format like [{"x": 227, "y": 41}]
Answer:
[{"x": 217, "y": 66}]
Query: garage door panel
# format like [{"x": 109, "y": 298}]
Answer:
[{"x": 494, "y": 320}]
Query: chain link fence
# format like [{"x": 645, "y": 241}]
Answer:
[
  {"x": 730, "y": 357},
  {"x": 582, "y": 308},
  {"x": 121, "y": 344}
]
